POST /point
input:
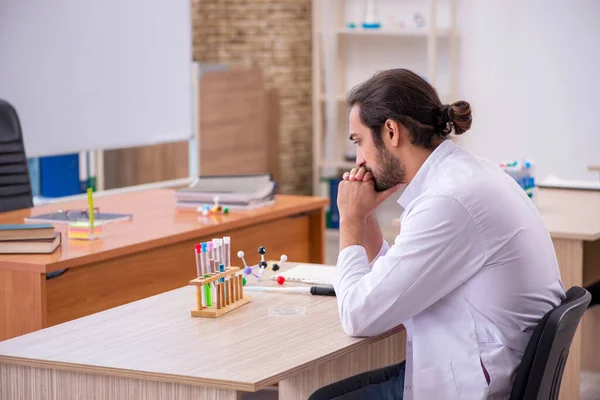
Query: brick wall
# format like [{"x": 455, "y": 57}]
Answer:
[{"x": 276, "y": 36}]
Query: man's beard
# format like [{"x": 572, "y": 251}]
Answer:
[{"x": 390, "y": 170}]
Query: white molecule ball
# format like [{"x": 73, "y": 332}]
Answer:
[
  {"x": 283, "y": 258},
  {"x": 240, "y": 254}
]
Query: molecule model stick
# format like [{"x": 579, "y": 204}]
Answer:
[
  {"x": 247, "y": 270},
  {"x": 282, "y": 260},
  {"x": 262, "y": 264}
]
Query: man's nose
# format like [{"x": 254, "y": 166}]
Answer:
[{"x": 360, "y": 160}]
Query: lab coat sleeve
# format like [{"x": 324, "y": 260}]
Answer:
[
  {"x": 382, "y": 251},
  {"x": 438, "y": 249}
]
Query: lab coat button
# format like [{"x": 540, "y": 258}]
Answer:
[
  {"x": 409, "y": 343},
  {"x": 408, "y": 387}
]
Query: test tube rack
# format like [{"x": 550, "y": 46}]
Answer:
[{"x": 229, "y": 293}]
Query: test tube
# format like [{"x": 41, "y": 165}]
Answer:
[
  {"x": 227, "y": 242},
  {"x": 198, "y": 260},
  {"x": 217, "y": 252},
  {"x": 216, "y": 261},
  {"x": 200, "y": 270},
  {"x": 204, "y": 258},
  {"x": 221, "y": 252},
  {"x": 213, "y": 290},
  {"x": 208, "y": 292},
  {"x": 222, "y": 269},
  {"x": 211, "y": 256}
]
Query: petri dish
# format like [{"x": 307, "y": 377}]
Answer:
[{"x": 276, "y": 311}]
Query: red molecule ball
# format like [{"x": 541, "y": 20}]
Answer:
[{"x": 280, "y": 280}]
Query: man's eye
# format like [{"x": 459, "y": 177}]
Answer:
[{"x": 356, "y": 142}]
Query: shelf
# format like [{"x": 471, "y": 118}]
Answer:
[
  {"x": 428, "y": 43},
  {"x": 408, "y": 32}
]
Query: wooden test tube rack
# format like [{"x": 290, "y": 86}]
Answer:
[{"x": 229, "y": 294}]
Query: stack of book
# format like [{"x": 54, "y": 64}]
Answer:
[
  {"x": 238, "y": 192},
  {"x": 28, "y": 239}
]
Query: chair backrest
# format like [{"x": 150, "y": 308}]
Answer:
[
  {"x": 15, "y": 183},
  {"x": 540, "y": 373}
]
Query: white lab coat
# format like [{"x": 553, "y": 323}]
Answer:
[{"x": 470, "y": 274}]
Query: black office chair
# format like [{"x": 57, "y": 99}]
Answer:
[
  {"x": 540, "y": 373},
  {"x": 15, "y": 183},
  {"x": 594, "y": 290}
]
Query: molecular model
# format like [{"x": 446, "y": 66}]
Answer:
[
  {"x": 215, "y": 209},
  {"x": 262, "y": 265}
]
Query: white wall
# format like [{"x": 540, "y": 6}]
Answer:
[{"x": 531, "y": 71}]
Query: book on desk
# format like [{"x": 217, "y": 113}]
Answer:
[
  {"x": 236, "y": 192},
  {"x": 28, "y": 239}
]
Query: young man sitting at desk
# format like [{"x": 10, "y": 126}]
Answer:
[{"x": 473, "y": 269}]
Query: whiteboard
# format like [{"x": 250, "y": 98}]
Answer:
[{"x": 91, "y": 74}]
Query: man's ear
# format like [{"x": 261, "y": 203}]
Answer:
[{"x": 394, "y": 132}]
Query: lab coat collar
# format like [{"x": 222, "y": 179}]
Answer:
[{"x": 426, "y": 172}]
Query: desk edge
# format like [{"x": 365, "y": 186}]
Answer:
[
  {"x": 317, "y": 361},
  {"x": 125, "y": 373},
  {"x": 188, "y": 380}
]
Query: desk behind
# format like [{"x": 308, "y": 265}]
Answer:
[{"x": 151, "y": 254}]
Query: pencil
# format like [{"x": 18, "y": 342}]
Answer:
[{"x": 91, "y": 209}]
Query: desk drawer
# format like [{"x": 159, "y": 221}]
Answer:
[{"x": 99, "y": 286}]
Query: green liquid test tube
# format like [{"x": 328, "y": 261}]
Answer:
[{"x": 208, "y": 292}]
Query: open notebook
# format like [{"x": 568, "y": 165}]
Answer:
[
  {"x": 316, "y": 274},
  {"x": 555, "y": 182}
]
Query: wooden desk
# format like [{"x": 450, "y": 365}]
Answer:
[
  {"x": 151, "y": 254},
  {"x": 153, "y": 347},
  {"x": 573, "y": 220}
]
